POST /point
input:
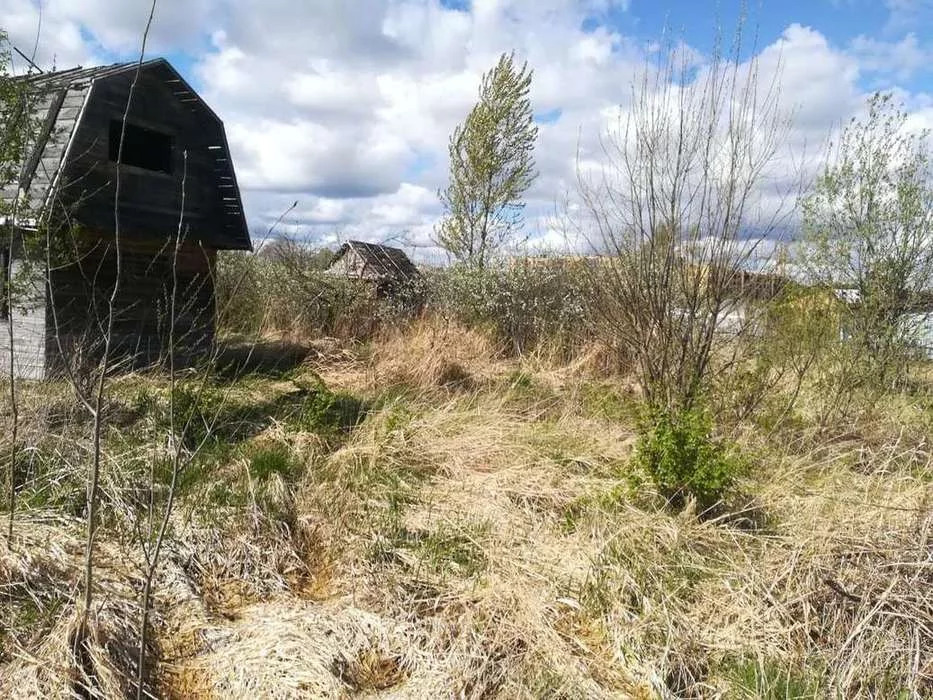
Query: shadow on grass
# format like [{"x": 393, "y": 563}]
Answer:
[
  {"x": 266, "y": 358},
  {"x": 212, "y": 416}
]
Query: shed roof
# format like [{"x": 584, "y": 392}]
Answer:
[
  {"x": 384, "y": 261},
  {"x": 59, "y": 100}
]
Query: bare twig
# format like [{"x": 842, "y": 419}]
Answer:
[
  {"x": 103, "y": 367},
  {"x": 153, "y": 557}
]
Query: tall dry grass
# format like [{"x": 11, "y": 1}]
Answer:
[{"x": 483, "y": 532}]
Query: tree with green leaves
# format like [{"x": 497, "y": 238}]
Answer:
[
  {"x": 868, "y": 224},
  {"x": 15, "y": 126},
  {"x": 17, "y": 129},
  {"x": 491, "y": 166}
]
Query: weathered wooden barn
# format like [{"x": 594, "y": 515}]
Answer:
[
  {"x": 387, "y": 268},
  {"x": 168, "y": 206}
]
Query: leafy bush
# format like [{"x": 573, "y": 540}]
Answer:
[
  {"x": 684, "y": 458},
  {"x": 287, "y": 291},
  {"x": 326, "y": 412},
  {"x": 526, "y": 304}
]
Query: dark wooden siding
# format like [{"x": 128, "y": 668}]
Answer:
[
  {"x": 80, "y": 296},
  {"x": 150, "y": 201}
]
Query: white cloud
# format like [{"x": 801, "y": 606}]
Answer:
[
  {"x": 907, "y": 15},
  {"x": 897, "y": 59},
  {"x": 74, "y": 32},
  {"x": 347, "y": 106},
  {"x": 338, "y": 122}
]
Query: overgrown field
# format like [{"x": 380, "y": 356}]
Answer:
[{"x": 425, "y": 517}]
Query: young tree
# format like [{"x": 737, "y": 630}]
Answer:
[
  {"x": 868, "y": 225},
  {"x": 677, "y": 211},
  {"x": 17, "y": 130},
  {"x": 491, "y": 166}
]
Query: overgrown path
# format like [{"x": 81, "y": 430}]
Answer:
[{"x": 424, "y": 517}]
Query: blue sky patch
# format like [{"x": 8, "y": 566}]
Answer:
[{"x": 550, "y": 116}]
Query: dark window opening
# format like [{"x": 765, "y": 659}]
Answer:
[{"x": 142, "y": 147}]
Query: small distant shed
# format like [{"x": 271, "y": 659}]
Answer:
[
  {"x": 753, "y": 286},
  {"x": 386, "y": 267}
]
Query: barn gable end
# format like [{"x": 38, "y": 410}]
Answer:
[
  {"x": 373, "y": 262},
  {"x": 175, "y": 174}
]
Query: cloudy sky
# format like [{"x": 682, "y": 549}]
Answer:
[{"x": 346, "y": 105}]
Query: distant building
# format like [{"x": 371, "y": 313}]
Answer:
[
  {"x": 175, "y": 174},
  {"x": 918, "y": 317},
  {"x": 748, "y": 285},
  {"x": 387, "y": 268}
]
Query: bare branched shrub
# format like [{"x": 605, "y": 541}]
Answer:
[
  {"x": 678, "y": 210},
  {"x": 674, "y": 207}
]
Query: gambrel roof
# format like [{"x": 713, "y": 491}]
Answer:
[
  {"x": 60, "y": 98},
  {"x": 378, "y": 261}
]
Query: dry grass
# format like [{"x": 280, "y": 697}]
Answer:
[
  {"x": 433, "y": 355},
  {"x": 487, "y": 537},
  {"x": 38, "y": 579}
]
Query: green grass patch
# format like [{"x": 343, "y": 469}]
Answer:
[
  {"x": 452, "y": 549},
  {"x": 609, "y": 402},
  {"x": 207, "y": 415},
  {"x": 263, "y": 474},
  {"x": 326, "y": 412},
  {"x": 49, "y": 476},
  {"x": 638, "y": 569},
  {"x": 769, "y": 680},
  {"x": 26, "y": 617},
  {"x": 524, "y": 388},
  {"x": 592, "y": 505},
  {"x": 273, "y": 459},
  {"x": 449, "y": 550}
]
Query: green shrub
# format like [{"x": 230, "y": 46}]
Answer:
[
  {"x": 326, "y": 412},
  {"x": 684, "y": 459},
  {"x": 525, "y": 304}
]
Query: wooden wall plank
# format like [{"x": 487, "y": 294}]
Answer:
[{"x": 29, "y": 332}]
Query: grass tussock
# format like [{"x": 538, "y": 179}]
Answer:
[
  {"x": 46, "y": 651},
  {"x": 369, "y": 526},
  {"x": 433, "y": 355}
]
